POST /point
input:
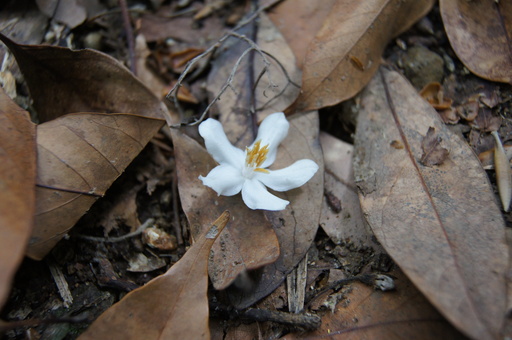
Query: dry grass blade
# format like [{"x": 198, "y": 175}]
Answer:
[
  {"x": 171, "y": 306},
  {"x": 503, "y": 173}
]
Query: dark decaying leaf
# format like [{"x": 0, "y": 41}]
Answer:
[
  {"x": 171, "y": 306},
  {"x": 78, "y": 158},
  {"x": 433, "y": 152},
  {"x": 64, "y": 81},
  {"x": 17, "y": 194},
  {"x": 441, "y": 224},
  {"x": 480, "y": 33},
  {"x": 346, "y": 52}
]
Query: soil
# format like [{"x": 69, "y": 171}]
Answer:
[{"x": 99, "y": 273}]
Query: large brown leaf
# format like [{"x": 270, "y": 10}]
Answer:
[
  {"x": 248, "y": 243},
  {"x": 64, "y": 81},
  {"x": 78, "y": 157},
  {"x": 299, "y": 21},
  {"x": 347, "y": 50},
  {"x": 480, "y": 32},
  {"x": 171, "y": 306},
  {"x": 295, "y": 226},
  {"x": 440, "y": 224},
  {"x": 17, "y": 194}
]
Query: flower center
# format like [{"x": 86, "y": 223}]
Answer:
[{"x": 254, "y": 158}]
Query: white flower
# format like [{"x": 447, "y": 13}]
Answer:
[{"x": 247, "y": 171}]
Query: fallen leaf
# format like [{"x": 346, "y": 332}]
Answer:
[
  {"x": 479, "y": 32},
  {"x": 299, "y": 21},
  {"x": 296, "y": 226},
  {"x": 433, "y": 152},
  {"x": 487, "y": 157},
  {"x": 367, "y": 313},
  {"x": 347, "y": 50},
  {"x": 248, "y": 243},
  {"x": 81, "y": 81},
  {"x": 469, "y": 110},
  {"x": 441, "y": 225},
  {"x": 433, "y": 93},
  {"x": 339, "y": 180},
  {"x": 485, "y": 121},
  {"x": 171, "y": 306},
  {"x": 78, "y": 155},
  {"x": 78, "y": 158},
  {"x": 17, "y": 179}
]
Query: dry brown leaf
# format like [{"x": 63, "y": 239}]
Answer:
[
  {"x": 347, "y": 50},
  {"x": 171, "y": 306},
  {"x": 236, "y": 108},
  {"x": 433, "y": 152},
  {"x": 479, "y": 32},
  {"x": 64, "y": 81},
  {"x": 17, "y": 196},
  {"x": 433, "y": 93},
  {"x": 440, "y": 224},
  {"x": 503, "y": 173},
  {"x": 296, "y": 226},
  {"x": 249, "y": 242},
  {"x": 78, "y": 158},
  {"x": 348, "y": 223},
  {"x": 299, "y": 21},
  {"x": 485, "y": 121}
]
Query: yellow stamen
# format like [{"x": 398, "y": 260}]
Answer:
[
  {"x": 256, "y": 156},
  {"x": 265, "y": 171}
]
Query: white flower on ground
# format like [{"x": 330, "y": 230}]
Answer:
[{"x": 247, "y": 171}]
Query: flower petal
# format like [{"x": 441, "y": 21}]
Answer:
[
  {"x": 256, "y": 196},
  {"x": 290, "y": 177},
  {"x": 218, "y": 144},
  {"x": 224, "y": 179},
  {"x": 272, "y": 131}
]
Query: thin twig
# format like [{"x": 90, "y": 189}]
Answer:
[
  {"x": 139, "y": 230},
  {"x": 129, "y": 35},
  {"x": 253, "y": 47}
]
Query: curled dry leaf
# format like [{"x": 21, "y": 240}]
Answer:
[
  {"x": 433, "y": 152},
  {"x": 171, "y": 306},
  {"x": 347, "y": 50},
  {"x": 17, "y": 179},
  {"x": 433, "y": 93},
  {"x": 81, "y": 81},
  {"x": 78, "y": 155},
  {"x": 78, "y": 158},
  {"x": 479, "y": 32},
  {"x": 440, "y": 224}
]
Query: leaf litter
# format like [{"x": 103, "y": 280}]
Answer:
[{"x": 285, "y": 250}]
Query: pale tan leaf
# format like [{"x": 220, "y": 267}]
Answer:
[{"x": 440, "y": 224}]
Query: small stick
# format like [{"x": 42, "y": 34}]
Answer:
[
  {"x": 61, "y": 283},
  {"x": 129, "y": 35},
  {"x": 139, "y": 230}
]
